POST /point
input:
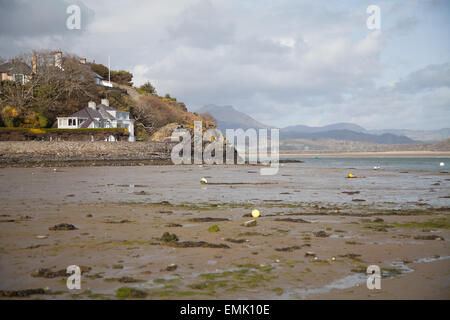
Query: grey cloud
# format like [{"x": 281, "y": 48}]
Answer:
[
  {"x": 38, "y": 18},
  {"x": 202, "y": 25},
  {"x": 430, "y": 77},
  {"x": 29, "y": 24}
]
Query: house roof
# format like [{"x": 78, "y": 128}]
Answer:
[
  {"x": 103, "y": 111},
  {"x": 100, "y": 112},
  {"x": 88, "y": 113}
]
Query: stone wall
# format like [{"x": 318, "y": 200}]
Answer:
[{"x": 78, "y": 153}]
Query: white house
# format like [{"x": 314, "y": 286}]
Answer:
[{"x": 98, "y": 116}]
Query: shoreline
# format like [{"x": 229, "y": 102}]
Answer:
[{"x": 383, "y": 154}]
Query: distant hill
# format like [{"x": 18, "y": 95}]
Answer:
[
  {"x": 419, "y": 135},
  {"x": 331, "y": 127},
  {"x": 347, "y": 135},
  {"x": 228, "y": 117}
]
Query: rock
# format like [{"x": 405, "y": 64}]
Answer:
[
  {"x": 172, "y": 267},
  {"x": 89, "y": 216},
  {"x": 128, "y": 280},
  {"x": 22, "y": 293},
  {"x": 321, "y": 234},
  {"x": 251, "y": 223},
  {"x": 167, "y": 237},
  {"x": 351, "y": 192},
  {"x": 48, "y": 273},
  {"x": 288, "y": 249},
  {"x": 208, "y": 219},
  {"x": 63, "y": 227},
  {"x": 292, "y": 220},
  {"x": 351, "y": 256},
  {"x": 173, "y": 225},
  {"x": 236, "y": 240},
  {"x": 119, "y": 221},
  {"x": 196, "y": 244},
  {"x": 428, "y": 237}
]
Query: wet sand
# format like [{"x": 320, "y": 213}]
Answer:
[{"x": 385, "y": 219}]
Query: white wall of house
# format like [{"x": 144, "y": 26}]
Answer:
[{"x": 70, "y": 123}]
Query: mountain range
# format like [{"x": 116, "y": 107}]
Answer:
[{"x": 229, "y": 118}]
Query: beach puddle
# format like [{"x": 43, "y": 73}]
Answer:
[{"x": 357, "y": 279}]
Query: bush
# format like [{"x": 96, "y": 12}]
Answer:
[
  {"x": 9, "y": 116},
  {"x": 147, "y": 88}
]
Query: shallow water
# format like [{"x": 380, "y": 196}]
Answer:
[
  {"x": 417, "y": 164},
  {"x": 181, "y": 184},
  {"x": 354, "y": 280}
]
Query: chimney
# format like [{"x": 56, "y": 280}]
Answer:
[
  {"x": 58, "y": 59},
  {"x": 83, "y": 60},
  {"x": 105, "y": 102},
  {"x": 34, "y": 63},
  {"x": 92, "y": 105}
]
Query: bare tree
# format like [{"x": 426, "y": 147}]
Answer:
[{"x": 52, "y": 87}]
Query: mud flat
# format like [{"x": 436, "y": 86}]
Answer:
[{"x": 154, "y": 232}]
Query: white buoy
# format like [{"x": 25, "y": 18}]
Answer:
[
  {"x": 442, "y": 164},
  {"x": 203, "y": 181}
]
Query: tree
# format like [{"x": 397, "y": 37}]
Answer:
[
  {"x": 147, "y": 88},
  {"x": 122, "y": 77},
  {"x": 99, "y": 69},
  {"x": 51, "y": 91}
]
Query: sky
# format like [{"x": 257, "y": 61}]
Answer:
[{"x": 284, "y": 62}]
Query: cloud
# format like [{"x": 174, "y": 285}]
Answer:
[
  {"x": 285, "y": 62},
  {"x": 430, "y": 77},
  {"x": 30, "y": 24}
]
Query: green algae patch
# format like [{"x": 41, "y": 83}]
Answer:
[
  {"x": 441, "y": 223},
  {"x": 248, "y": 276},
  {"x": 214, "y": 228},
  {"x": 172, "y": 292},
  {"x": 130, "y": 293}
]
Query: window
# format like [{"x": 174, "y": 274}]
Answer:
[{"x": 70, "y": 122}]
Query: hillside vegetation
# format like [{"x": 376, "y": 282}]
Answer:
[{"x": 53, "y": 92}]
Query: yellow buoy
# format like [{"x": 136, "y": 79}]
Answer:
[
  {"x": 351, "y": 176},
  {"x": 255, "y": 213}
]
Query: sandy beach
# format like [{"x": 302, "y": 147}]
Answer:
[{"x": 317, "y": 234}]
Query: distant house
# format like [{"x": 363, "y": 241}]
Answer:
[
  {"x": 98, "y": 79},
  {"x": 21, "y": 72},
  {"x": 15, "y": 71},
  {"x": 98, "y": 116}
]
